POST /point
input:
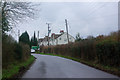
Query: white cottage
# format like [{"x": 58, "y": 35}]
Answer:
[{"x": 57, "y": 39}]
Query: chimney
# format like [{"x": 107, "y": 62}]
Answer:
[
  {"x": 62, "y": 31},
  {"x": 53, "y": 34}
]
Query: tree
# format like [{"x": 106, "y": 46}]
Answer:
[
  {"x": 90, "y": 37},
  {"x": 78, "y": 37},
  {"x": 24, "y": 38},
  {"x": 31, "y": 42},
  {"x": 34, "y": 41},
  {"x": 5, "y": 22},
  {"x": 14, "y": 12}
]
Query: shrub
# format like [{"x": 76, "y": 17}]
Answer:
[
  {"x": 102, "y": 49},
  {"x": 25, "y": 51},
  {"x": 7, "y": 50},
  {"x": 13, "y": 51},
  {"x": 18, "y": 52},
  {"x": 108, "y": 53}
]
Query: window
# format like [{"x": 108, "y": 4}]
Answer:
[{"x": 60, "y": 39}]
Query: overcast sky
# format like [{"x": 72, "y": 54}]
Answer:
[{"x": 86, "y": 18}]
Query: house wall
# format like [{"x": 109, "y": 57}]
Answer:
[
  {"x": 45, "y": 43},
  {"x": 53, "y": 42},
  {"x": 63, "y": 39},
  {"x": 60, "y": 40}
]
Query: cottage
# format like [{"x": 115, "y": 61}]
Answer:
[{"x": 56, "y": 39}]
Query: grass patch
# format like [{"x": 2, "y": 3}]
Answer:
[
  {"x": 14, "y": 68},
  {"x": 109, "y": 69}
]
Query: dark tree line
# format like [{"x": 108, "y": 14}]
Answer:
[
  {"x": 24, "y": 38},
  {"x": 11, "y": 13},
  {"x": 34, "y": 41}
]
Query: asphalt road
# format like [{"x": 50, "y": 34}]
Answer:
[{"x": 47, "y": 66}]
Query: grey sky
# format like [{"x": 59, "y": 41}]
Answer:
[{"x": 87, "y": 18}]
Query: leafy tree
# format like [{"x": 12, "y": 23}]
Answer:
[
  {"x": 78, "y": 38},
  {"x": 34, "y": 41},
  {"x": 24, "y": 38}
]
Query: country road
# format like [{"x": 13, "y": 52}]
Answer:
[{"x": 47, "y": 66}]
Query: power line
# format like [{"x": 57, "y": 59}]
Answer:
[{"x": 96, "y": 9}]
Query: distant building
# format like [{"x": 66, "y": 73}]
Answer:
[
  {"x": 43, "y": 41},
  {"x": 56, "y": 39}
]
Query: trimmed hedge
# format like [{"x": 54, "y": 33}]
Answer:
[
  {"x": 83, "y": 49},
  {"x": 103, "y": 51},
  {"x": 108, "y": 53}
]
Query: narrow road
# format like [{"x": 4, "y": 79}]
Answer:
[{"x": 47, "y": 66}]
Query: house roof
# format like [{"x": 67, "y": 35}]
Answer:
[
  {"x": 41, "y": 39},
  {"x": 44, "y": 39},
  {"x": 55, "y": 35}
]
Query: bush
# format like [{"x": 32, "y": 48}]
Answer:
[
  {"x": 25, "y": 51},
  {"x": 7, "y": 50},
  {"x": 108, "y": 53},
  {"x": 13, "y": 51},
  {"x": 18, "y": 52},
  {"x": 102, "y": 50}
]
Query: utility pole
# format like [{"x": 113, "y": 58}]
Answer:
[
  {"x": 118, "y": 21},
  {"x": 38, "y": 39},
  {"x": 67, "y": 29},
  {"x": 48, "y": 32},
  {"x": 38, "y": 35}
]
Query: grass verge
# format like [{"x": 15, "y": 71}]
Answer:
[
  {"x": 14, "y": 69},
  {"x": 109, "y": 69}
]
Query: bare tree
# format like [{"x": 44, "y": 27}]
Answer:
[
  {"x": 90, "y": 37},
  {"x": 78, "y": 38},
  {"x": 14, "y": 12}
]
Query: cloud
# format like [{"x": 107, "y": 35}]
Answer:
[{"x": 87, "y": 18}]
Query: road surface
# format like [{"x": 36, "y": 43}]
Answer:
[{"x": 47, "y": 66}]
